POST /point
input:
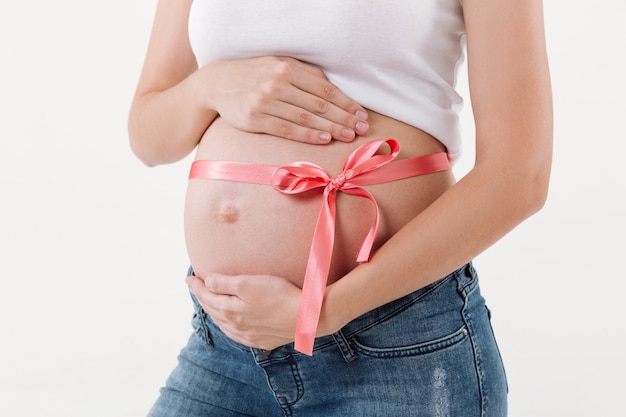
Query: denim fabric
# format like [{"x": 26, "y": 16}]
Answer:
[{"x": 431, "y": 353}]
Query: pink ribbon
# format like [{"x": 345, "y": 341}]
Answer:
[
  {"x": 299, "y": 177},
  {"x": 365, "y": 166}
]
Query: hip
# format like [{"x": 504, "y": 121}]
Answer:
[{"x": 431, "y": 352}]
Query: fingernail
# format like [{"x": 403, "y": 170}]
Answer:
[
  {"x": 325, "y": 137},
  {"x": 361, "y": 114},
  {"x": 361, "y": 127},
  {"x": 347, "y": 133}
]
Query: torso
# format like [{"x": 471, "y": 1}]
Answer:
[
  {"x": 400, "y": 59},
  {"x": 241, "y": 228}
]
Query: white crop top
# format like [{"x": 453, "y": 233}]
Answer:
[{"x": 397, "y": 57}]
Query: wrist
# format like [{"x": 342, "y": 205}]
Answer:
[
  {"x": 353, "y": 295},
  {"x": 335, "y": 312},
  {"x": 203, "y": 87}
]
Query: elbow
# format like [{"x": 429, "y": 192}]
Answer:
[
  {"x": 520, "y": 185},
  {"x": 521, "y": 173},
  {"x": 152, "y": 155},
  {"x": 141, "y": 146},
  {"x": 539, "y": 171},
  {"x": 538, "y": 195},
  {"x": 142, "y": 152},
  {"x": 154, "y": 146},
  {"x": 532, "y": 187},
  {"x": 138, "y": 146}
]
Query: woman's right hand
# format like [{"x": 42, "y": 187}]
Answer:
[
  {"x": 175, "y": 102},
  {"x": 280, "y": 96}
]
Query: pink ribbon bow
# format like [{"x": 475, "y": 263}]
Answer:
[{"x": 300, "y": 177}]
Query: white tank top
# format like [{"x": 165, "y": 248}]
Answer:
[{"x": 397, "y": 57}]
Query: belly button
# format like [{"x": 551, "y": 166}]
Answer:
[{"x": 228, "y": 213}]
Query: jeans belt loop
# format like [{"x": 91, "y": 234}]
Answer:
[{"x": 344, "y": 347}]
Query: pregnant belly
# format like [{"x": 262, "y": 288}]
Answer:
[{"x": 243, "y": 228}]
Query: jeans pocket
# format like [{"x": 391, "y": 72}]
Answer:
[
  {"x": 411, "y": 349},
  {"x": 430, "y": 323}
]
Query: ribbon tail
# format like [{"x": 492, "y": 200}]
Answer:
[
  {"x": 316, "y": 276},
  {"x": 366, "y": 248},
  {"x": 368, "y": 242}
]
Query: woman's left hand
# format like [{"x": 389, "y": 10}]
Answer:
[{"x": 255, "y": 310}]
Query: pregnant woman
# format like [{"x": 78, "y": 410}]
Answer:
[{"x": 330, "y": 244}]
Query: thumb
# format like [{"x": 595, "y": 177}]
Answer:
[
  {"x": 223, "y": 284},
  {"x": 194, "y": 283}
]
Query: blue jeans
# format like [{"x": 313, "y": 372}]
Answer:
[{"x": 431, "y": 353}]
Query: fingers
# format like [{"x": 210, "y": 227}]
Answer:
[
  {"x": 215, "y": 292},
  {"x": 225, "y": 311},
  {"x": 318, "y": 106},
  {"x": 311, "y": 111},
  {"x": 218, "y": 305},
  {"x": 222, "y": 284},
  {"x": 309, "y": 128},
  {"x": 195, "y": 284}
]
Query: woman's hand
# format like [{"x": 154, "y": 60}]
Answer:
[
  {"x": 175, "y": 101},
  {"x": 255, "y": 310},
  {"x": 283, "y": 97}
]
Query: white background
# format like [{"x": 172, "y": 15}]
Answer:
[{"x": 93, "y": 307}]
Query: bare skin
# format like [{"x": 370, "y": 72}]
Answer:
[
  {"x": 441, "y": 225},
  {"x": 239, "y": 228}
]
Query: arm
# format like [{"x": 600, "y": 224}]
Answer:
[
  {"x": 512, "y": 105},
  {"x": 511, "y": 101},
  {"x": 176, "y": 101},
  {"x": 165, "y": 123}
]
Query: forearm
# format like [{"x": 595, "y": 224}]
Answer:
[
  {"x": 461, "y": 224},
  {"x": 165, "y": 126}
]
